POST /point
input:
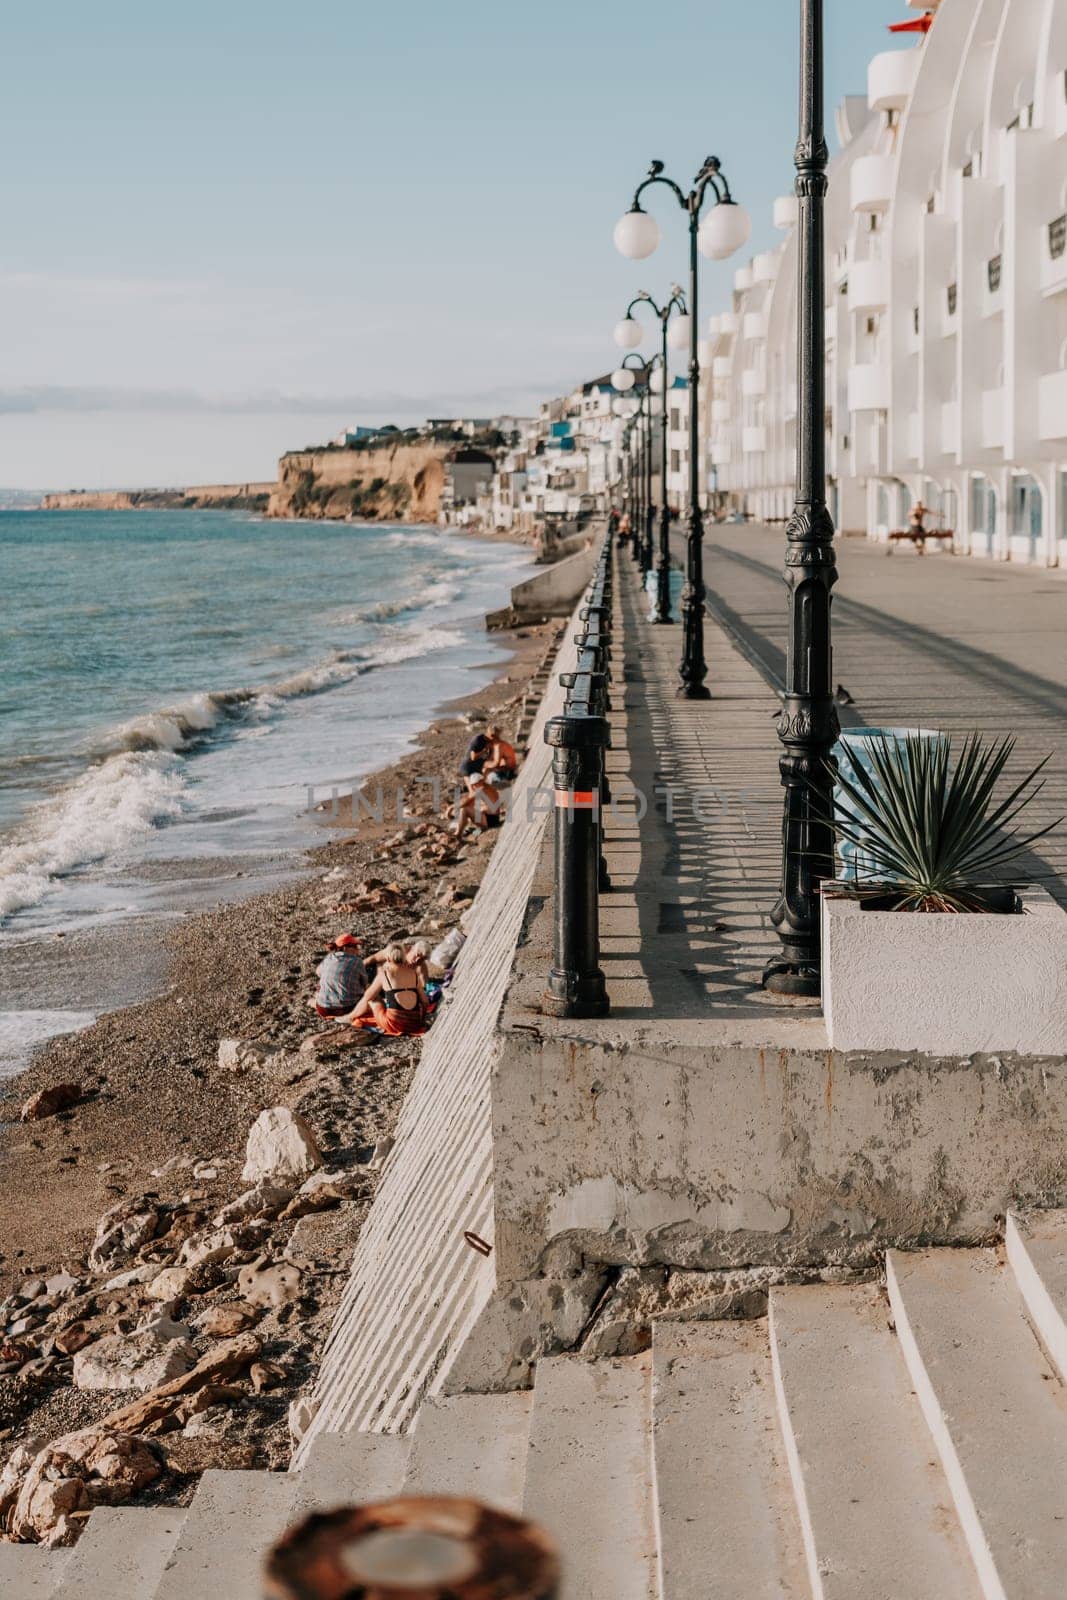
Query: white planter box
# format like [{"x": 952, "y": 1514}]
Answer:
[{"x": 944, "y": 984}]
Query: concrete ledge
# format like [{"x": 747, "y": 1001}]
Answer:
[{"x": 550, "y": 592}]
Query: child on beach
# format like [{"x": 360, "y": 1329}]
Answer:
[
  {"x": 395, "y": 1003},
  {"x": 342, "y": 977}
]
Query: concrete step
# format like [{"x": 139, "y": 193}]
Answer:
[
  {"x": 472, "y": 1444},
  {"x": 232, "y": 1521},
  {"x": 724, "y": 1513},
  {"x": 1036, "y": 1248},
  {"x": 28, "y": 1572},
  {"x": 997, "y": 1412},
  {"x": 122, "y": 1553},
  {"x": 874, "y": 1505},
  {"x": 588, "y": 1474},
  {"x": 351, "y": 1468}
]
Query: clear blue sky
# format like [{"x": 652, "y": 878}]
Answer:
[{"x": 381, "y": 209}]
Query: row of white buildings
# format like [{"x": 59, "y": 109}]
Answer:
[{"x": 946, "y": 335}]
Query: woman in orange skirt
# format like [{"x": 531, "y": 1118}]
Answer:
[{"x": 395, "y": 1002}]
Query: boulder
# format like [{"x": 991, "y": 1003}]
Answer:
[
  {"x": 46, "y": 1102},
  {"x": 170, "y": 1285},
  {"x": 94, "y": 1466},
  {"x": 121, "y": 1232},
  {"x": 241, "y": 1055},
  {"x": 280, "y": 1146},
  {"x": 212, "y": 1245},
  {"x": 262, "y": 1284},
  {"x": 137, "y": 1362},
  {"x": 222, "y": 1322},
  {"x": 265, "y": 1200}
]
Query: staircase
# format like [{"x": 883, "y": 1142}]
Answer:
[{"x": 862, "y": 1443}]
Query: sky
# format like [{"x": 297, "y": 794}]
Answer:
[{"x": 232, "y": 228}]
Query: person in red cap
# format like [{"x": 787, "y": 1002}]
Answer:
[{"x": 342, "y": 977}]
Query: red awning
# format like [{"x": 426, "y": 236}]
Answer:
[{"x": 921, "y": 24}]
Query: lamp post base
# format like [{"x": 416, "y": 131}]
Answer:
[
  {"x": 692, "y": 691},
  {"x": 796, "y": 978}
]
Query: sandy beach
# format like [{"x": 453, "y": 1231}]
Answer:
[{"x": 159, "y": 1130}]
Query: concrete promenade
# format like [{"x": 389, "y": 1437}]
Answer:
[{"x": 934, "y": 642}]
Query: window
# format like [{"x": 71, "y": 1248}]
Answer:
[
  {"x": 872, "y": 324},
  {"x": 992, "y": 268},
  {"x": 676, "y": 461},
  {"x": 951, "y": 296},
  {"x": 968, "y": 171},
  {"x": 915, "y": 319},
  {"x": 873, "y": 222},
  {"x": 1057, "y": 236},
  {"x": 675, "y": 419}
]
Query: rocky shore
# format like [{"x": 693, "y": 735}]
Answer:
[{"x": 181, "y": 1202}]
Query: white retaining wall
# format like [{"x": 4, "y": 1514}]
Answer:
[{"x": 417, "y": 1287}]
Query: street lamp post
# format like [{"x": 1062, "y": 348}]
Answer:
[
  {"x": 807, "y": 723},
  {"x": 724, "y": 230},
  {"x": 628, "y": 334},
  {"x": 625, "y": 379}
]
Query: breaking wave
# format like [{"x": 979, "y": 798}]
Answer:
[{"x": 137, "y": 780}]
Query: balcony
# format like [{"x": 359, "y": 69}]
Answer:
[
  {"x": 950, "y": 428},
  {"x": 868, "y": 286},
  {"x": 992, "y": 418},
  {"x": 1054, "y": 258},
  {"x": 785, "y": 211},
  {"x": 912, "y": 437},
  {"x": 729, "y": 322},
  {"x": 754, "y": 326},
  {"x": 753, "y": 441},
  {"x": 868, "y": 387},
  {"x": 950, "y": 310},
  {"x": 743, "y": 279},
  {"x": 721, "y": 367},
  {"x": 765, "y": 267},
  {"x": 1052, "y": 406},
  {"x": 891, "y": 78},
  {"x": 720, "y": 410},
  {"x": 753, "y": 382},
  {"x": 871, "y": 183}
]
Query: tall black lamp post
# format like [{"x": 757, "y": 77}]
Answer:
[
  {"x": 724, "y": 230},
  {"x": 629, "y": 379},
  {"x": 807, "y": 724},
  {"x": 628, "y": 334}
]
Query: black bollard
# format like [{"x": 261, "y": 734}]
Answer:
[{"x": 576, "y": 986}]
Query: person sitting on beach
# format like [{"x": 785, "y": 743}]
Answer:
[
  {"x": 395, "y": 1002},
  {"x": 478, "y": 752},
  {"x": 502, "y": 763},
  {"x": 342, "y": 977}
]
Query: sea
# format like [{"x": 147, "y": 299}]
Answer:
[{"x": 181, "y": 688}]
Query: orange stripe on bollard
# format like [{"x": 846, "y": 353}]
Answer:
[{"x": 577, "y": 799}]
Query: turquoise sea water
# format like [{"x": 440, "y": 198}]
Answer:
[{"x": 173, "y": 682}]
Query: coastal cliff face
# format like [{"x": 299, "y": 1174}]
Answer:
[
  {"x": 214, "y": 496},
  {"x": 385, "y": 484}
]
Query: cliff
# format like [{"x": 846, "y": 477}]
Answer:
[
  {"x": 387, "y": 483},
  {"x": 211, "y": 496}
]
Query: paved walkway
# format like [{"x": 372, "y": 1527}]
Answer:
[
  {"x": 686, "y": 928},
  {"x": 942, "y": 641}
]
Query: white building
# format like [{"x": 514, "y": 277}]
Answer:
[{"x": 946, "y": 336}]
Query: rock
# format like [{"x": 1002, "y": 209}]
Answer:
[
  {"x": 380, "y": 1156},
  {"x": 62, "y": 1285},
  {"x": 266, "y": 1375},
  {"x": 280, "y": 1145},
  {"x": 263, "y": 1285},
  {"x": 205, "y": 1172},
  {"x": 301, "y": 1415},
  {"x": 170, "y": 1284},
  {"x": 121, "y": 1232},
  {"x": 24, "y": 1325},
  {"x": 125, "y": 1280},
  {"x": 214, "y": 1244},
  {"x": 138, "y": 1362},
  {"x": 321, "y": 1046},
  {"x": 30, "y": 1288},
  {"x": 46, "y": 1102},
  {"x": 162, "y": 1328},
  {"x": 241, "y": 1055},
  {"x": 70, "y": 1340},
  {"x": 74, "y": 1473},
  {"x": 265, "y": 1200},
  {"x": 156, "y": 1410},
  {"x": 222, "y": 1322}
]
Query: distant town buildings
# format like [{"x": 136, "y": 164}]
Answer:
[{"x": 946, "y": 348}]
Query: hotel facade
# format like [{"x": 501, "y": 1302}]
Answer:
[{"x": 946, "y": 332}]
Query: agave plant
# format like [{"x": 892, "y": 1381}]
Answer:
[{"x": 928, "y": 824}]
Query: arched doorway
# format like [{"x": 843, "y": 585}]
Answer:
[
  {"x": 983, "y": 515},
  {"x": 1027, "y": 517}
]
